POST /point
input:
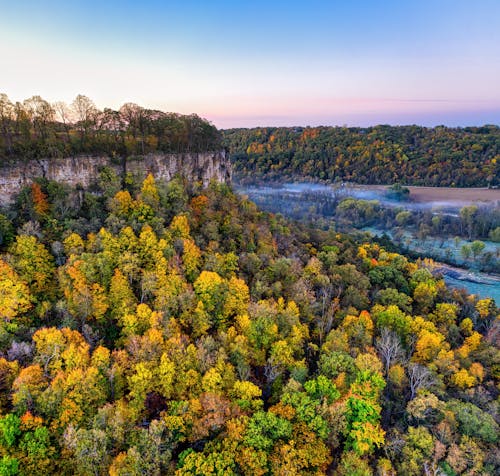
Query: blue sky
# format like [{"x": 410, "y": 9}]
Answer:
[{"x": 262, "y": 63}]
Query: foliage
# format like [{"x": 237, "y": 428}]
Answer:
[
  {"x": 439, "y": 156},
  {"x": 161, "y": 329},
  {"x": 35, "y": 128}
]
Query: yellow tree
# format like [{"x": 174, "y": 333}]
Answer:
[
  {"x": 149, "y": 248},
  {"x": 191, "y": 259},
  {"x": 85, "y": 300},
  {"x": 28, "y": 388},
  {"x": 424, "y": 294},
  {"x": 121, "y": 297},
  {"x": 166, "y": 376},
  {"x": 8, "y": 372},
  {"x": 73, "y": 244},
  {"x": 139, "y": 322},
  {"x": 49, "y": 345},
  {"x": 14, "y": 293},
  {"x": 247, "y": 395},
  {"x": 180, "y": 227},
  {"x": 359, "y": 329},
  {"x": 167, "y": 286},
  {"x": 121, "y": 204},
  {"x": 237, "y": 299},
  {"x": 141, "y": 382},
  {"x": 463, "y": 379},
  {"x": 428, "y": 345},
  {"x": 60, "y": 349},
  {"x": 34, "y": 264},
  {"x": 211, "y": 290},
  {"x": 149, "y": 192},
  {"x": 200, "y": 320}
]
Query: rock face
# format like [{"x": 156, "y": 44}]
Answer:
[{"x": 84, "y": 170}]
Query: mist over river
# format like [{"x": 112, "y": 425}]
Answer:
[
  {"x": 434, "y": 198},
  {"x": 297, "y": 200}
]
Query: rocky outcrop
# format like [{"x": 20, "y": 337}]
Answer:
[{"x": 84, "y": 170}]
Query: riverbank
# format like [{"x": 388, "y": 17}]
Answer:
[{"x": 481, "y": 284}]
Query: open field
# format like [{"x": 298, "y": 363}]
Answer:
[
  {"x": 422, "y": 194},
  {"x": 445, "y": 194}
]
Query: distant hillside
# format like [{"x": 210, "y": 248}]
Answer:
[{"x": 413, "y": 155}]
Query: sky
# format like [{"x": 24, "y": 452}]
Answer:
[{"x": 262, "y": 63}]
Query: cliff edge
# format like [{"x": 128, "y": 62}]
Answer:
[{"x": 83, "y": 170}]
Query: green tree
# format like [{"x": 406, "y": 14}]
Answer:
[
  {"x": 466, "y": 251},
  {"x": 468, "y": 215},
  {"x": 477, "y": 248},
  {"x": 9, "y": 466}
]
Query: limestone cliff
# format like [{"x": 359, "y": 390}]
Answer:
[{"x": 83, "y": 170}]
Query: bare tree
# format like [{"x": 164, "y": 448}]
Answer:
[
  {"x": 65, "y": 115},
  {"x": 84, "y": 108},
  {"x": 271, "y": 371},
  {"x": 85, "y": 111},
  {"x": 329, "y": 306},
  {"x": 41, "y": 114},
  {"x": 20, "y": 351},
  {"x": 389, "y": 348},
  {"x": 493, "y": 333},
  {"x": 394, "y": 444},
  {"x": 22, "y": 121},
  {"x": 420, "y": 377},
  {"x": 432, "y": 469}
]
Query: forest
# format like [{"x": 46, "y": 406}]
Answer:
[
  {"x": 36, "y": 128},
  {"x": 410, "y": 155},
  {"x": 160, "y": 328}
]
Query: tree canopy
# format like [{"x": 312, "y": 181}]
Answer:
[
  {"x": 169, "y": 329},
  {"x": 410, "y": 155},
  {"x": 36, "y": 128}
]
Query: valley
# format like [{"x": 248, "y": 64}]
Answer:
[{"x": 309, "y": 201}]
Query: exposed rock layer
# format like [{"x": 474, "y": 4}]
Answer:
[{"x": 83, "y": 170}]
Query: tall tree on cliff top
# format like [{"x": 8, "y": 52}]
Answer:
[{"x": 86, "y": 113}]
